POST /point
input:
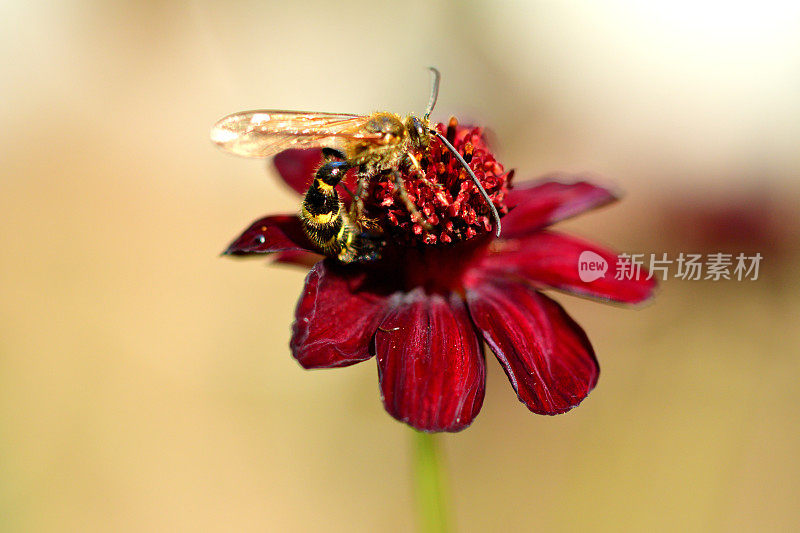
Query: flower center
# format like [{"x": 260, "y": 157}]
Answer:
[{"x": 449, "y": 206}]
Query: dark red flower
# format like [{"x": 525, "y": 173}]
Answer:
[{"x": 446, "y": 287}]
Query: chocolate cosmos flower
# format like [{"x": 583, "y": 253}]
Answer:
[{"x": 443, "y": 290}]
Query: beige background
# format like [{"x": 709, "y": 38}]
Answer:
[{"x": 146, "y": 383}]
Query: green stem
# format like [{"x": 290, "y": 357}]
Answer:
[{"x": 429, "y": 486}]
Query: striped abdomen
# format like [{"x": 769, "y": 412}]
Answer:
[{"x": 326, "y": 222}]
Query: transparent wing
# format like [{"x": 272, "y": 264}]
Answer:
[{"x": 265, "y": 132}]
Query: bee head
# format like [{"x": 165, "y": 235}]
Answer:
[{"x": 417, "y": 132}]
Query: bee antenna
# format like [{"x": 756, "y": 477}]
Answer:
[
  {"x": 435, "y": 77},
  {"x": 472, "y": 175}
]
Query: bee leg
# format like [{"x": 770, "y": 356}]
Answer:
[
  {"x": 347, "y": 190},
  {"x": 416, "y": 216},
  {"x": 359, "y": 242},
  {"x": 415, "y": 166},
  {"x": 357, "y": 207}
]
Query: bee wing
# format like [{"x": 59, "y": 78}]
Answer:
[{"x": 265, "y": 132}]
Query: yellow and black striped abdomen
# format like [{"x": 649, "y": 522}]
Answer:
[
  {"x": 326, "y": 222},
  {"x": 323, "y": 216}
]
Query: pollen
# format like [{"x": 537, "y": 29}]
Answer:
[{"x": 451, "y": 207}]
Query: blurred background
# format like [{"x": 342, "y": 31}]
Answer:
[{"x": 146, "y": 383}]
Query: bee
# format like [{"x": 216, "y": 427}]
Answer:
[{"x": 373, "y": 144}]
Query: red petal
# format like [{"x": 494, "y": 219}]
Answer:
[
  {"x": 336, "y": 316},
  {"x": 297, "y": 167},
  {"x": 430, "y": 363},
  {"x": 545, "y": 354},
  {"x": 271, "y": 234},
  {"x": 544, "y": 202},
  {"x": 551, "y": 259}
]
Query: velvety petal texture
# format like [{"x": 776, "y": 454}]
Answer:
[
  {"x": 270, "y": 234},
  {"x": 430, "y": 363},
  {"x": 551, "y": 259},
  {"x": 545, "y": 354},
  {"x": 336, "y": 317},
  {"x": 544, "y": 202}
]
